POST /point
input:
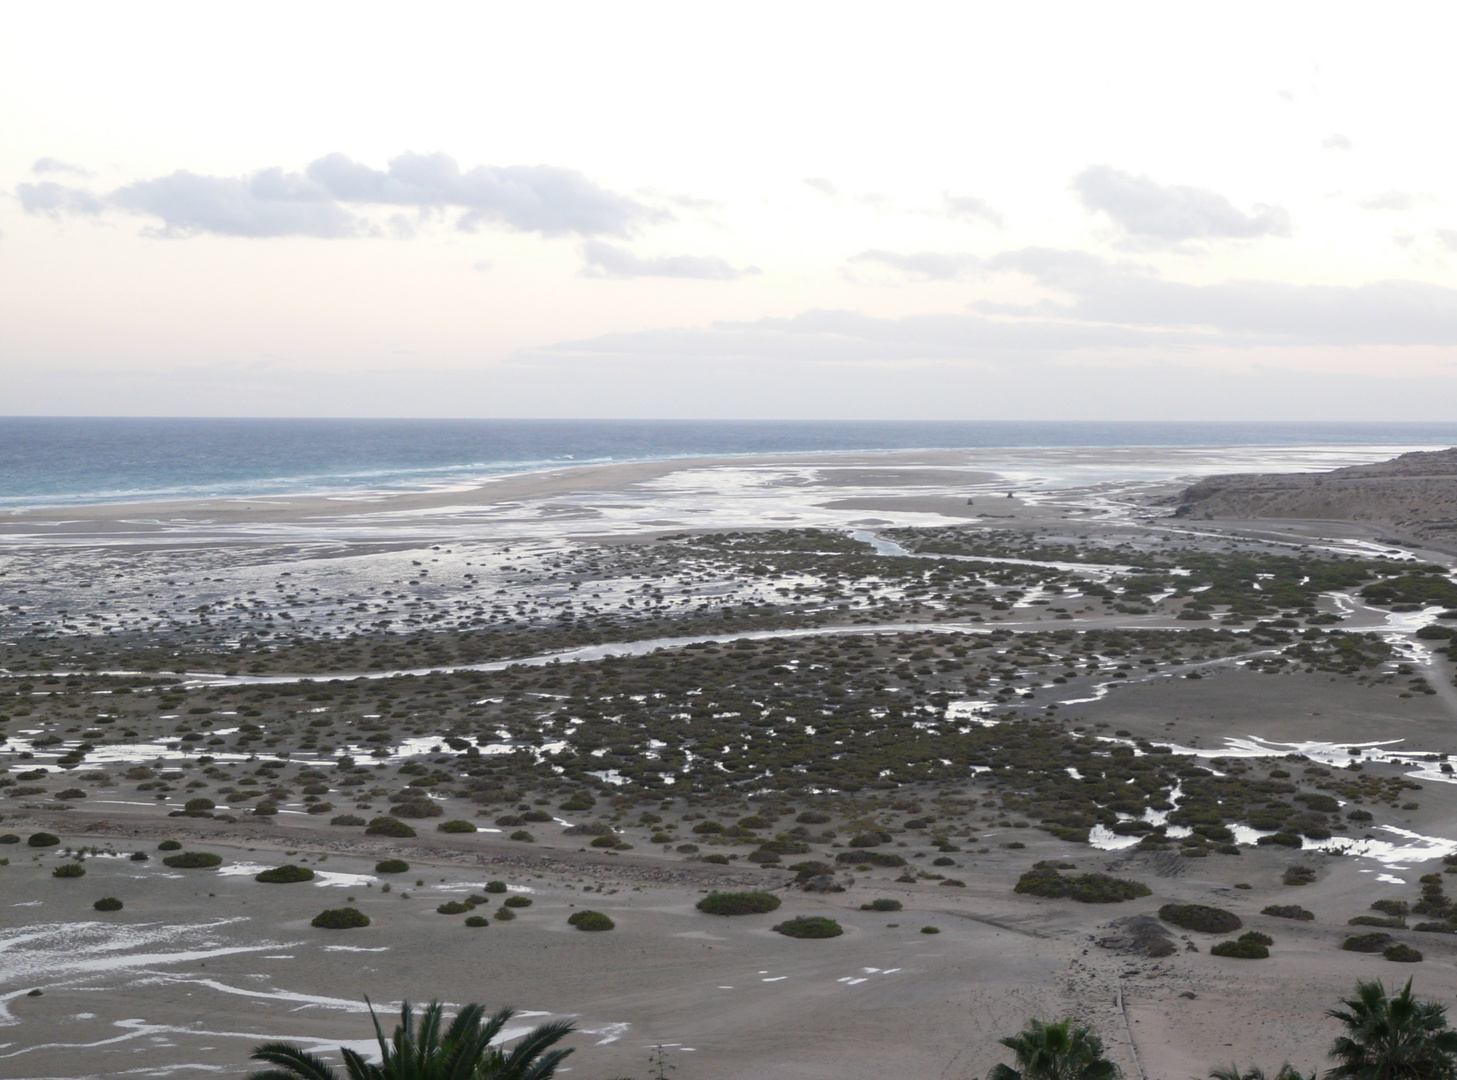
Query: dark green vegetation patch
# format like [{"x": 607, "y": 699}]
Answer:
[
  {"x": 43, "y": 839},
  {"x": 193, "y": 860},
  {"x": 69, "y": 870},
  {"x": 1045, "y": 880},
  {"x": 388, "y": 826},
  {"x": 391, "y": 866},
  {"x": 1240, "y": 950},
  {"x": 285, "y": 875},
  {"x": 738, "y": 903},
  {"x": 1370, "y": 943},
  {"x": 810, "y": 926},
  {"x": 1288, "y": 911},
  {"x": 1201, "y": 917},
  {"x": 341, "y": 918},
  {"x": 591, "y": 920},
  {"x": 108, "y": 903}
]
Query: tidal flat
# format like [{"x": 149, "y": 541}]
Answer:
[{"x": 982, "y": 688}]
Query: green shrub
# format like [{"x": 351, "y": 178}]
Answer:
[
  {"x": 1288, "y": 911},
  {"x": 391, "y": 866},
  {"x": 417, "y": 809},
  {"x": 69, "y": 870},
  {"x": 930, "y": 929},
  {"x": 591, "y": 921},
  {"x": 738, "y": 903},
  {"x": 881, "y": 905},
  {"x": 9, "y": 838},
  {"x": 454, "y": 907},
  {"x": 813, "y": 817},
  {"x": 1377, "y": 920},
  {"x": 869, "y": 839},
  {"x": 1435, "y": 928},
  {"x": 343, "y": 918},
  {"x": 1257, "y": 937},
  {"x": 1402, "y": 954},
  {"x": 517, "y": 901},
  {"x": 1395, "y": 908},
  {"x": 1280, "y": 839},
  {"x": 536, "y": 816},
  {"x": 388, "y": 826},
  {"x": 580, "y": 801},
  {"x": 1367, "y": 942},
  {"x": 139, "y": 856},
  {"x": 870, "y": 858},
  {"x": 477, "y": 921},
  {"x": 810, "y": 926},
  {"x": 348, "y": 820},
  {"x": 199, "y": 805},
  {"x": 193, "y": 860},
  {"x": 523, "y": 836},
  {"x": 1298, "y": 875},
  {"x": 720, "y": 860},
  {"x": 170, "y": 845},
  {"x": 456, "y": 826},
  {"x": 1201, "y": 917},
  {"x": 504, "y": 914},
  {"x": 495, "y": 886},
  {"x": 265, "y": 809},
  {"x": 1240, "y": 950},
  {"x": 285, "y": 875},
  {"x": 107, "y": 903},
  {"x": 1044, "y": 880},
  {"x": 604, "y": 841},
  {"x": 45, "y": 839}
]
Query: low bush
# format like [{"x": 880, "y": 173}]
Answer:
[
  {"x": 1367, "y": 943},
  {"x": 537, "y": 816},
  {"x": 930, "y": 929},
  {"x": 9, "y": 838},
  {"x": 287, "y": 874},
  {"x": 454, "y": 907},
  {"x": 495, "y": 886},
  {"x": 198, "y": 805},
  {"x": 882, "y": 905},
  {"x": 579, "y": 801},
  {"x": 343, "y": 918},
  {"x": 69, "y": 870},
  {"x": 477, "y": 921},
  {"x": 591, "y": 920},
  {"x": 45, "y": 839},
  {"x": 107, "y": 903},
  {"x": 1395, "y": 908},
  {"x": 1257, "y": 937},
  {"x": 391, "y": 866},
  {"x": 604, "y": 841},
  {"x": 1240, "y": 950},
  {"x": 870, "y": 858},
  {"x": 351, "y": 820},
  {"x": 1298, "y": 875},
  {"x": 869, "y": 839},
  {"x": 193, "y": 860},
  {"x": 388, "y": 826},
  {"x": 810, "y": 926},
  {"x": 170, "y": 845},
  {"x": 1288, "y": 911},
  {"x": 1377, "y": 920},
  {"x": 1402, "y": 954},
  {"x": 738, "y": 903},
  {"x": 1045, "y": 880},
  {"x": 517, "y": 901},
  {"x": 455, "y": 826},
  {"x": 813, "y": 817},
  {"x": 1435, "y": 928},
  {"x": 1201, "y": 917},
  {"x": 139, "y": 856},
  {"x": 523, "y": 836},
  {"x": 504, "y": 914},
  {"x": 417, "y": 809}
]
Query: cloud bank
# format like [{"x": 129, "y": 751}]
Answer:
[
  {"x": 327, "y": 198},
  {"x": 1151, "y": 214},
  {"x": 608, "y": 260}
]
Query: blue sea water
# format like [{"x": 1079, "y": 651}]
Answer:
[{"x": 69, "y": 460}]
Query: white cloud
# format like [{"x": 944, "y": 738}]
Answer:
[
  {"x": 54, "y": 165},
  {"x": 969, "y": 208},
  {"x": 608, "y": 260},
  {"x": 1388, "y": 200},
  {"x": 1152, "y": 214},
  {"x": 1336, "y": 141},
  {"x": 926, "y": 265},
  {"x": 324, "y": 201},
  {"x": 823, "y": 186}
]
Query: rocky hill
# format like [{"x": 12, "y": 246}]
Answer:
[{"x": 1415, "y": 494}]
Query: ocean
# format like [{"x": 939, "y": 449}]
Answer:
[{"x": 57, "y": 461}]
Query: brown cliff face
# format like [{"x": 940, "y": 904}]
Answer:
[{"x": 1415, "y": 493}]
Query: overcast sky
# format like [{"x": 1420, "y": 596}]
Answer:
[{"x": 980, "y": 211}]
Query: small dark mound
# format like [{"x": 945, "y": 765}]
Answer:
[
  {"x": 1044, "y": 880},
  {"x": 517, "y": 901},
  {"x": 170, "y": 845},
  {"x": 391, "y": 866},
  {"x": 455, "y": 826},
  {"x": 348, "y": 820},
  {"x": 43, "y": 839},
  {"x": 810, "y": 926},
  {"x": 477, "y": 921},
  {"x": 1288, "y": 911},
  {"x": 285, "y": 875},
  {"x": 1402, "y": 954},
  {"x": 107, "y": 903},
  {"x": 70, "y": 869},
  {"x": 870, "y": 858},
  {"x": 1367, "y": 942},
  {"x": 342, "y": 918},
  {"x": 1138, "y": 935},
  {"x": 1257, "y": 937},
  {"x": 495, "y": 886},
  {"x": 882, "y": 905},
  {"x": 193, "y": 860},
  {"x": 591, "y": 920},
  {"x": 1201, "y": 917},
  {"x": 388, "y": 826},
  {"x": 10, "y": 838},
  {"x": 417, "y": 809},
  {"x": 454, "y": 907},
  {"x": 738, "y": 903},
  {"x": 1240, "y": 950}
]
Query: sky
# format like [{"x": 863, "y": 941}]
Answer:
[{"x": 1158, "y": 211}]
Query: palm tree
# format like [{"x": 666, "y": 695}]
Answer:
[
  {"x": 1392, "y": 1037},
  {"x": 430, "y": 1050},
  {"x": 1287, "y": 1072},
  {"x": 1057, "y": 1051}
]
